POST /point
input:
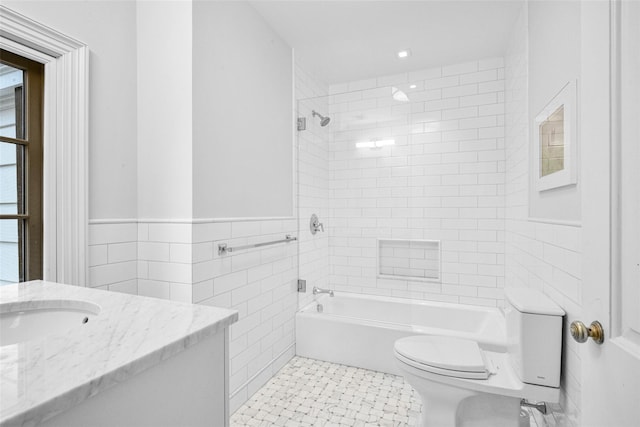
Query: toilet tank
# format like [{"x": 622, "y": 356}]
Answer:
[{"x": 534, "y": 336}]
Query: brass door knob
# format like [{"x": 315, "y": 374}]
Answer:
[{"x": 581, "y": 333}]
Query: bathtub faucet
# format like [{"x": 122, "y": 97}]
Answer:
[{"x": 317, "y": 290}]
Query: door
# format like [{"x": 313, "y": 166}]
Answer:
[{"x": 610, "y": 128}]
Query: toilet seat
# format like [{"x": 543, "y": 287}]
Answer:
[{"x": 453, "y": 357}]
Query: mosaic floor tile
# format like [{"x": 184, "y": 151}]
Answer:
[{"x": 308, "y": 392}]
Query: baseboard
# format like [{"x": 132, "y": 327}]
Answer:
[{"x": 257, "y": 374}]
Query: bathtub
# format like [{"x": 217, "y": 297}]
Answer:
[{"x": 359, "y": 330}]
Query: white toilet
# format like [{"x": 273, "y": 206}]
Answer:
[{"x": 461, "y": 384}]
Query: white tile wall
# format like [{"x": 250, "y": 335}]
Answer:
[
  {"x": 164, "y": 270},
  {"x": 113, "y": 255},
  {"x": 261, "y": 284},
  {"x": 538, "y": 255},
  {"x": 442, "y": 180},
  {"x": 409, "y": 258},
  {"x": 180, "y": 261}
]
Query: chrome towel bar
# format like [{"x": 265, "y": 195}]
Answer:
[{"x": 223, "y": 248}]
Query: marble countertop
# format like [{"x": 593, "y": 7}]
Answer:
[{"x": 48, "y": 375}]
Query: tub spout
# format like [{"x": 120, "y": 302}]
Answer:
[{"x": 317, "y": 290}]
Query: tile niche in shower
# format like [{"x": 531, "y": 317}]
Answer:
[{"x": 404, "y": 258}]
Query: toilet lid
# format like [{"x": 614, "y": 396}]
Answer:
[{"x": 450, "y": 356}]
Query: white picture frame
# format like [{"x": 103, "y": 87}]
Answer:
[{"x": 558, "y": 169}]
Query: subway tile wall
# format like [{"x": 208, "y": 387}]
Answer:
[
  {"x": 409, "y": 258},
  {"x": 539, "y": 255},
  {"x": 113, "y": 255},
  {"x": 180, "y": 261},
  {"x": 444, "y": 179},
  {"x": 260, "y": 284},
  {"x": 165, "y": 260}
]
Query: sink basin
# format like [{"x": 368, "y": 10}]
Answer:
[{"x": 28, "y": 320}]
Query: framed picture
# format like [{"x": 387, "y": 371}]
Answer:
[{"x": 554, "y": 139}]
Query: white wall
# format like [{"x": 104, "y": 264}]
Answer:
[
  {"x": 538, "y": 255},
  {"x": 126, "y": 77},
  {"x": 164, "y": 100},
  {"x": 109, "y": 29},
  {"x": 242, "y": 104},
  {"x": 443, "y": 180},
  {"x": 554, "y": 53}
]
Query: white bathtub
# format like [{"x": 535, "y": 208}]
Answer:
[{"x": 359, "y": 330}]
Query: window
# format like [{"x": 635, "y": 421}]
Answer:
[{"x": 21, "y": 154}]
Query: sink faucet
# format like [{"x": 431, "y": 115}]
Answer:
[{"x": 317, "y": 290}]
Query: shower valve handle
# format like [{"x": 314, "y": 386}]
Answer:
[{"x": 315, "y": 224}]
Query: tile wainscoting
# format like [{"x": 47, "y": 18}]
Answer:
[
  {"x": 113, "y": 255},
  {"x": 180, "y": 261}
]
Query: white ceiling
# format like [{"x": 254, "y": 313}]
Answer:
[{"x": 352, "y": 40}]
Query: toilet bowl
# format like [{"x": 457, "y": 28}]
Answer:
[{"x": 461, "y": 384}]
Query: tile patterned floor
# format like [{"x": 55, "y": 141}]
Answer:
[{"x": 308, "y": 392}]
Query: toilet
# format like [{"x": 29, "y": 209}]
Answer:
[{"x": 461, "y": 384}]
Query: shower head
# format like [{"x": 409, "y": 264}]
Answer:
[{"x": 323, "y": 120}]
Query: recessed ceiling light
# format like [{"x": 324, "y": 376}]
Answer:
[
  {"x": 405, "y": 53},
  {"x": 412, "y": 86}
]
